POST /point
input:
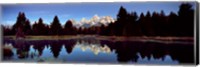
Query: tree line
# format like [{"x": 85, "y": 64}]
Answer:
[{"x": 127, "y": 24}]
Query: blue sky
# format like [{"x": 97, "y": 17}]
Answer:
[{"x": 77, "y": 11}]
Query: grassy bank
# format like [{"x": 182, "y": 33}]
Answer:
[
  {"x": 110, "y": 38},
  {"x": 44, "y": 37}
]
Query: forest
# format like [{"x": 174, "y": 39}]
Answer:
[{"x": 126, "y": 24}]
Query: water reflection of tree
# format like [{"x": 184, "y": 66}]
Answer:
[
  {"x": 7, "y": 53},
  {"x": 127, "y": 51},
  {"x": 69, "y": 45},
  {"x": 40, "y": 47},
  {"x": 6, "y": 49},
  {"x": 158, "y": 50},
  {"x": 22, "y": 48},
  {"x": 55, "y": 48},
  {"x": 183, "y": 53}
]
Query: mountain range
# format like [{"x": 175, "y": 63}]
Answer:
[{"x": 94, "y": 21}]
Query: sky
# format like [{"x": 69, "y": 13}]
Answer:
[{"x": 77, "y": 11}]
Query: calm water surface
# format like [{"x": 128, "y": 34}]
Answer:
[{"x": 97, "y": 51}]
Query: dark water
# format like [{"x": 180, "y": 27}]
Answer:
[{"x": 98, "y": 51}]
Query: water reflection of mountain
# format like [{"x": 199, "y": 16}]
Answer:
[
  {"x": 125, "y": 51},
  {"x": 93, "y": 45}
]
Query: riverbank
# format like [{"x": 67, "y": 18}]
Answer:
[
  {"x": 111, "y": 38},
  {"x": 44, "y": 37}
]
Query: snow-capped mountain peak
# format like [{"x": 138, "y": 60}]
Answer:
[{"x": 94, "y": 21}]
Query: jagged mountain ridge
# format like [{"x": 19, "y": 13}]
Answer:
[{"x": 94, "y": 21}]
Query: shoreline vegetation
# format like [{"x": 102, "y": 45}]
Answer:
[
  {"x": 160, "y": 39},
  {"x": 126, "y": 24}
]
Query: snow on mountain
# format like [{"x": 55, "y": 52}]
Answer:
[{"x": 94, "y": 21}]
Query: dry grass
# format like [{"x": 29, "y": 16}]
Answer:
[
  {"x": 185, "y": 40},
  {"x": 110, "y": 38},
  {"x": 44, "y": 37}
]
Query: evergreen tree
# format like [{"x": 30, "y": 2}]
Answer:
[
  {"x": 56, "y": 26},
  {"x": 20, "y": 23},
  {"x": 121, "y": 21},
  {"x": 27, "y": 27},
  {"x": 39, "y": 28},
  {"x": 173, "y": 19},
  {"x": 186, "y": 20},
  {"x": 68, "y": 28}
]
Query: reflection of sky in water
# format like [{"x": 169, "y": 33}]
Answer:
[
  {"x": 47, "y": 54},
  {"x": 86, "y": 55},
  {"x": 167, "y": 60}
]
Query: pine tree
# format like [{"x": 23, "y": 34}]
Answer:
[{"x": 56, "y": 26}]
